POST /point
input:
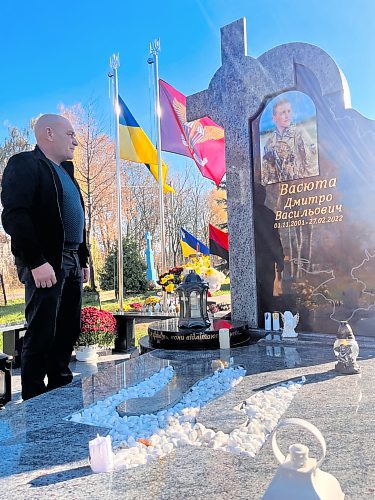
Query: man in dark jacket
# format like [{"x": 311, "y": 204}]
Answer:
[{"x": 44, "y": 216}]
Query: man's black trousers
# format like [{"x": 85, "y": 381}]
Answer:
[{"x": 53, "y": 317}]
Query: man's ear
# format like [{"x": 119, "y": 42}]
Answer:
[{"x": 49, "y": 134}]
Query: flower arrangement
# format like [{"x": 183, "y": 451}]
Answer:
[
  {"x": 168, "y": 281},
  {"x": 201, "y": 265},
  {"x": 223, "y": 306},
  {"x": 152, "y": 300},
  {"x": 135, "y": 306},
  {"x": 213, "y": 308},
  {"x": 97, "y": 327}
]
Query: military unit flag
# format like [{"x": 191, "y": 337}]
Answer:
[
  {"x": 202, "y": 140},
  {"x": 190, "y": 245},
  {"x": 219, "y": 243},
  {"x": 136, "y": 146}
]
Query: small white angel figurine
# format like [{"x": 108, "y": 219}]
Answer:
[{"x": 289, "y": 324}]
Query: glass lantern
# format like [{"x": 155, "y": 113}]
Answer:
[
  {"x": 192, "y": 294},
  {"x": 346, "y": 350}
]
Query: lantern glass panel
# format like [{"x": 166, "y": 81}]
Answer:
[
  {"x": 183, "y": 300},
  {"x": 2, "y": 383},
  {"x": 195, "y": 310},
  {"x": 204, "y": 302}
]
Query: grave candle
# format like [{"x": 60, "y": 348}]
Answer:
[
  {"x": 224, "y": 339},
  {"x": 275, "y": 322},
  {"x": 101, "y": 454},
  {"x": 267, "y": 321}
]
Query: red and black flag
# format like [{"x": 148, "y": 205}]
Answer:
[{"x": 219, "y": 244}]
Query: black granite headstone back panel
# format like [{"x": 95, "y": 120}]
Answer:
[{"x": 324, "y": 214}]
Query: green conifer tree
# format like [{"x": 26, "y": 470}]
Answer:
[{"x": 134, "y": 269}]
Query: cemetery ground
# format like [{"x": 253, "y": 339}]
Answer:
[{"x": 45, "y": 455}]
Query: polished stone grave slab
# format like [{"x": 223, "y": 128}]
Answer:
[
  {"x": 167, "y": 335},
  {"x": 44, "y": 456},
  {"x": 171, "y": 394}
]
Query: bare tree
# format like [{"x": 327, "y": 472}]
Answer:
[
  {"x": 141, "y": 204},
  {"x": 95, "y": 168},
  {"x": 177, "y": 215},
  {"x": 18, "y": 140},
  {"x": 189, "y": 207}
]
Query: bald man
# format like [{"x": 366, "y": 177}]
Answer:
[{"x": 44, "y": 216}]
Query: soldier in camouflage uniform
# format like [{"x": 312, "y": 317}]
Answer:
[{"x": 288, "y": 153}]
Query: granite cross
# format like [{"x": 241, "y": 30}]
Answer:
[{"x": 234, "y": 97}]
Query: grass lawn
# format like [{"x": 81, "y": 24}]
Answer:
[
  {"x": 13, "y": 312},
  {"x": 224, "y": 290},
  {"x": 141, "y": 330}
]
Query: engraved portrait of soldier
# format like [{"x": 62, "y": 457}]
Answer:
[{"x": 288, "y": 136}]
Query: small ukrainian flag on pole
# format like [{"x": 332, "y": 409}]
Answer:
[{"x": 190, "y": 245}]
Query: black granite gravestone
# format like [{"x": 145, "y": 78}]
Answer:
[{"x": 291, "y": 133}]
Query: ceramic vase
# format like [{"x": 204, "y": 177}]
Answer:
[{"x": 87, "y": 353}]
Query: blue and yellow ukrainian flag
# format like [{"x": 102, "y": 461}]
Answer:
[
  {"x": 136, "y": 146},
  {"x": 190, "y": 245}
]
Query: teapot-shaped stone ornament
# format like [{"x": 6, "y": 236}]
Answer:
[{"x": 299, "y": 476}]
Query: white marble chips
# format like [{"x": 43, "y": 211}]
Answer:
[
  {"x": 103, "y": 413},
  {"x": 165, "y": 430}
]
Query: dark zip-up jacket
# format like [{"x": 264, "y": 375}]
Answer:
[{"x": 32, "y": 199}]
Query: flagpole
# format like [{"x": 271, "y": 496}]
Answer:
[
  {"x": 154, "y": 50},
  {"x": 114, "y": 63}
]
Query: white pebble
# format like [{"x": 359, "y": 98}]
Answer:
[{"x": 177, "y": 426}]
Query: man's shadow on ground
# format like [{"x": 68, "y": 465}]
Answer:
[{"x": 60, "y": 477}]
